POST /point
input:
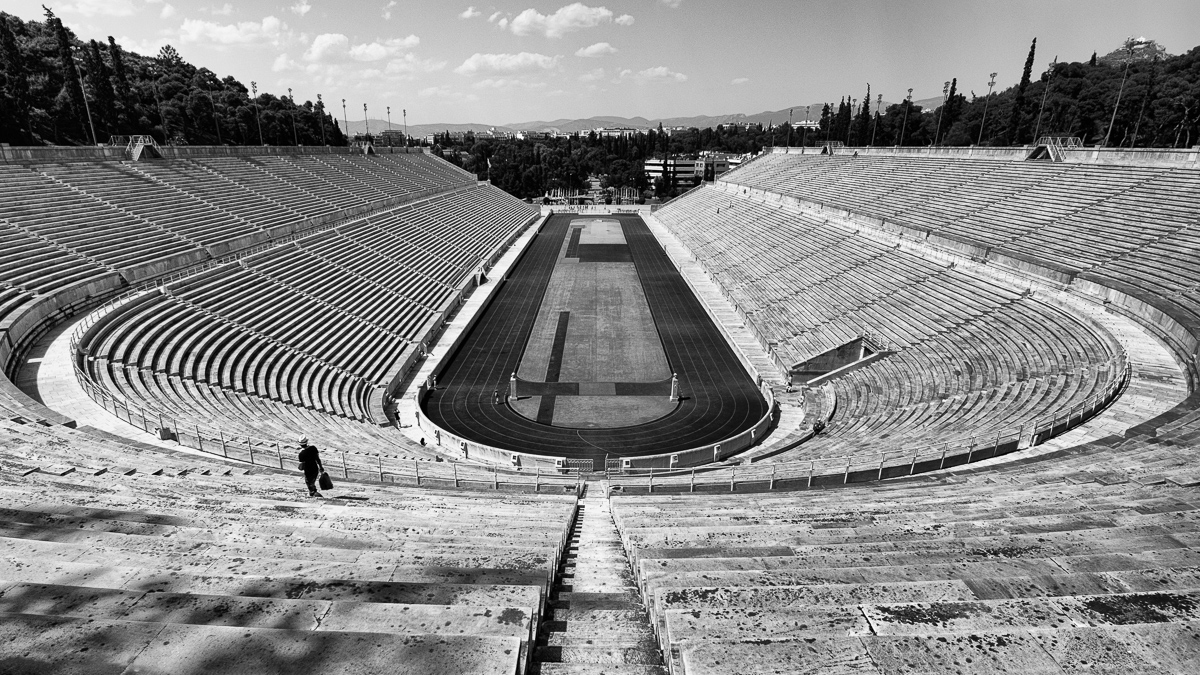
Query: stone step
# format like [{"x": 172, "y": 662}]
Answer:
[
  {"x": 598, "y": 669},
  {"x": 605, "y": 640},
  {"x": 607, "y": 615},
  {"x": 580, "y": 628},
  {"x": 599, "y": 655}
]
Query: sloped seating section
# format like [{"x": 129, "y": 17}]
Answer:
[
  {"x": 989, "y": 575},
  {"x": 1128, "y": 228},
  {"x": 305, "y": 334},
  {"x": 973, "y": 358},
  {"x": 130, "y": 557}
]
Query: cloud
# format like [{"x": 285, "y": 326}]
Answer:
[
  {"x": 740, "y": 80},
  {"x": 148, "y": 47},
  {"x": 407, "y": 64},
  {"x": 327, "y": 45},
  {"x": 387, "y": 10},
  {"x": 567, "y": 19},
  {"x": 673, "y": 4},
  {"x": 657, "y": 74},
  {"x": 224, "y": 10},
  {"x": 470, "y": 13},
  {"x": 624, "y": 20},
  {"x": 99, "y": 7},
  {"x": 167, "y": 12},
  {"x": 268, "y": 31},
  {"x": 505, "y": 63},
  {"x": 597, "y": 50},
  {"x": 283, "y": 62},
  {"x": 494, "y": 16},
  {"x": 330, "y": 47},
  {"x": 300, "y": 8}
]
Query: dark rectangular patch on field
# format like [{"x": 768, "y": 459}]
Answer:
[
  {"x": 549, "y": 389},
  {"x": 600, "y": 253},
  {"x": 573, "y": 243},
  {"x": 554, "y": 366},
  {"x": 644, "y": 388}
]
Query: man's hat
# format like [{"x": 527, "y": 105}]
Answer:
[{"x": 304, "y": 440}]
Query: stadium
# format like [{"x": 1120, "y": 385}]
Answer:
[{"x": 842, "y": 409}]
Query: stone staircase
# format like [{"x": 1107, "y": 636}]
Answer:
[{"x": 597, "y": 624}]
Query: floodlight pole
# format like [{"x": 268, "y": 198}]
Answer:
[
  {"x": 295, "y": 138},
  {"x": 216, "y": 117},
  {"x": 942, "y": 112},
  {"x": 1046, "y": 92},
  {"x": 87, "y": 108},
  {"x": 789, "y": 136},
  {"x": 257, "y": 118},
  {"x": 804, "y": 132},
  {"x": 405, "y": 112},
  {"x": 345, "y": 122},
  {"x": 875, "y": 127},
  {"x": 366, "y": 122},
  {"x": 850, "y": 125},
  {"x": 1129, "y": 45},
  {"x": 904, "y": 125},
  {"x": 321, "y": 117},
  {"x": 986, "y": 102}
]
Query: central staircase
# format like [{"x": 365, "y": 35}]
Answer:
[{"x": 597, "y": 624}]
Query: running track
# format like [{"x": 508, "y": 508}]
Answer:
[{"x": 720, "y": 399}]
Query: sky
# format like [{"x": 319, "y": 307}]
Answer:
[{"x": 448, "y": 61}]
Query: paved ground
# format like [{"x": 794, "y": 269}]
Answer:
[{"x": 720, "y": 399}]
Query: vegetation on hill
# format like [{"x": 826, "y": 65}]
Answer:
[{"x": 50, "y": 81}]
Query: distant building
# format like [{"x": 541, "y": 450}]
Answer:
[
  {"x": 677, "y": 172},
  {"x": 390, "y": 137},
  {"x": 533, "y": 135},
  {"x": 615, "y": 132}
]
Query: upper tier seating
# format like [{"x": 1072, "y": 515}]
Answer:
[
  {"x": 1132, "y": 229},
  {"x": 129, "y": 556},
  {"x": 974, "y": 358}
]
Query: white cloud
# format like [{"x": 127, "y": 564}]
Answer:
[
  {"x": 377, "y": 51},
  {"x": 167, "y": 12},
  {"x": 224, "y": 10},
  {"x": 673, "y": 4},
  {"x": 328, "y": 47},
  {"x": 494, "y": 16},
  {"x": 300, "y": 8},
  {"x": 470, "y": 13},
  {"x": 624, "y": 20},
  {"x": 283, "y": 62},
  {"x": 740, "y": 80},
  {"x": 387, "y": 10},
  {"x": 505, "y": 63},
  {"x": 268, "y": 31},
  {"x": 568, "y": 19},
  {"x": 99, "y": 7},
  {"x": 597, "y": 50},
  {"x": 656, "y": 74},
  {"x": 138, "y": 46}
]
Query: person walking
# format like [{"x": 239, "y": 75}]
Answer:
[{"x": 310, "y": 464}]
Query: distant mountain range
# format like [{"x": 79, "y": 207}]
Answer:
[{"x": 588, "y": 123}]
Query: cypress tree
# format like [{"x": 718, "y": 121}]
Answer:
[
  {"x": 127, "y": 112},
  {"x": 70, "y": 72},
  {"x": 15, "y": 85},
  {"x": 102, "y": 90},
  {"x": 1016, "y": 123}
]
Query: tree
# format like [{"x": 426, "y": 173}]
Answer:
[
  {"x": 1016, "y": 120},
  {"x": 100, "y": 78},
  {"x": 69, "y": 71},
  {"x": 127, "y": 113},
  {"x": 15, "y": 125}
]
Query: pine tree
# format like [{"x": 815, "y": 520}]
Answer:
[
  {"x": 1092, "y": 61},
  {"x": 16, "y": 124},
  {"x": 1016, "y": 122},
  {"x": 864, "y": 118},
  {"x": 70, "y": 72}
]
